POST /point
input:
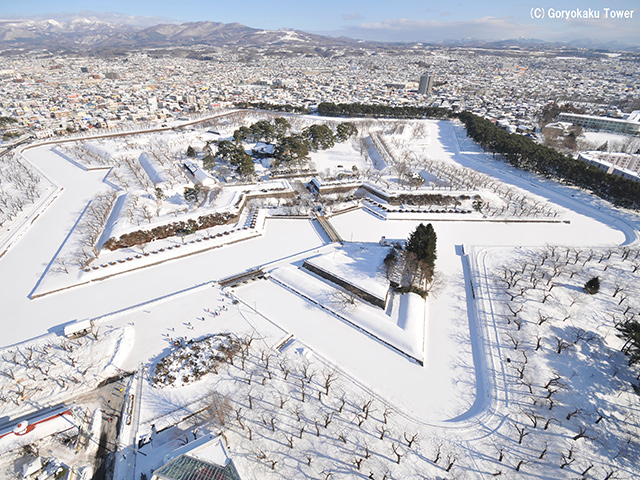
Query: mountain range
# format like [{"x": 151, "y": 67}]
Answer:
[{"x": 85, "y": 35}]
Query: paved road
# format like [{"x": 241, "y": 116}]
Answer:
[{"x": 111, "y": 398}]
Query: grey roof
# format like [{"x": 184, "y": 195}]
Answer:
[{"x": 188, "y": 468}]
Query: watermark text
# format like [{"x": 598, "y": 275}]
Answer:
[{"x": 580, "y": 13}]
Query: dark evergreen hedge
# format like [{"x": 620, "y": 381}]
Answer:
[
  {"x": 273, "y": 107},
  {"x": 363, "y": 110},
  {"x": 169, "y": 230},
  {"x": 524, "y": 153}
]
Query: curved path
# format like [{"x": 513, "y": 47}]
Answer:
[{"x": 573, "y": 199}]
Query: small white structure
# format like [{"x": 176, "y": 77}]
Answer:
[
  {"x": 199, "y": 176},
  {"x": 264, "y": 149},
  {"x": 31, "y": 468},
  {"x": 78, "y": 329},
  {"x": 21, "y": 428}
]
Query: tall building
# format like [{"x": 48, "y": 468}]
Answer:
[{"x": 426, "y": 83}]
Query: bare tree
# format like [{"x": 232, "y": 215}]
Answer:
[
  {"x": 582, "y": 433},
  {"x": 521, "y": 432},
  {"x": 385, "y": 414},
  {"x": 566, "y": 460},
  {"x": 438, "y": 451},
  {"x": 289, "y": 439},
  {"x": 410, "y": 439},
  {"x": 329, "y": 379},
  {"x": 514, "y": 340},
  {"x": 397, "y": 452},
  {"x": 544, "y": 451},
  {"x": 561, "y": 345},
  {"x": 451, "y": 459}
]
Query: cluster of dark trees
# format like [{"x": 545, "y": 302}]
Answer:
[
  {"x": 422, "y": 244},
  {"x": 192, "y": 194},
  {"x": 412, "y": 270},
  {"x": 328, "y": 109},
  {"x": 273, "y": 107},
  {"x": 229, "y": 152},
  {"x": 196, "y": 358},
  {"x": 140, "y": 237},
  {"x": 263, "y": 131},
  {"x": 551, "y": 111},
  {"x": 524, "y": 153},
  {"x": 8, "y": 121},
  {"x": 424, "y": 199},
  {"x": 289, "y": 147}
]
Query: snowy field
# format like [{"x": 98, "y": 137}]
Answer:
[{"x": 325, "y": 389}]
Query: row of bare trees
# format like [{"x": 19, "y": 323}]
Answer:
[
  {"x": 35, "y": 372},
  {"x": 89, "y": 230},
  {"x": 290, "y": 415},
  {"x": 20, "y": 186},
  {"x": 553, "y": 344}
]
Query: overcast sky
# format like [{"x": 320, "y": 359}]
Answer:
[{"x": 400, "y": 20}]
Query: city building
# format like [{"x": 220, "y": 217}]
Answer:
[
  {"x": 202, "y": 459},
  {"x": 629, "y": 125},
  {"x": 426, "y": 83},
  {"x": 622, "y": 164}
]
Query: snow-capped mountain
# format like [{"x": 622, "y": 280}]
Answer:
[{"x": 84, "y": 33}]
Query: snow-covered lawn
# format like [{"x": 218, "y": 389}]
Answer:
[
  {"x": 568, "y": 399},
  {"x": 360, "y": 264},
  {"x": 24, "y": 193},
  {"x": 41, "y": 373},
  {"x": 343, "y": 157},
  {"x": 515, "y": 384}
]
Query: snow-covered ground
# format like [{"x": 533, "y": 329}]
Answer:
[{"x": 471, "y": 410}]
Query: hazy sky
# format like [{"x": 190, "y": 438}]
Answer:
[{"x": 400, "y": 20}]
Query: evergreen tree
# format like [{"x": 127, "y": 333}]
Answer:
[
  {"x": 191, "y": 152},
  {"x": 592, "y": 286},
  {"x": 262, "y": 131},
  {"x": 319, "y": 137},
  {"x": 281, "y": 126},
  {"x": 245, "y": 167},
  {"x": 422, "y": 242},
  {"x": 420, "y": 258},
  {"x": 345, "y": 130},
  {"x": 209, "y": 162},
  {"x": 630, "y": 333},
  {"x": 192, "y": 194},
  {"x": 292, "y": 148},
  {"x": 243, "y": 134}
]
